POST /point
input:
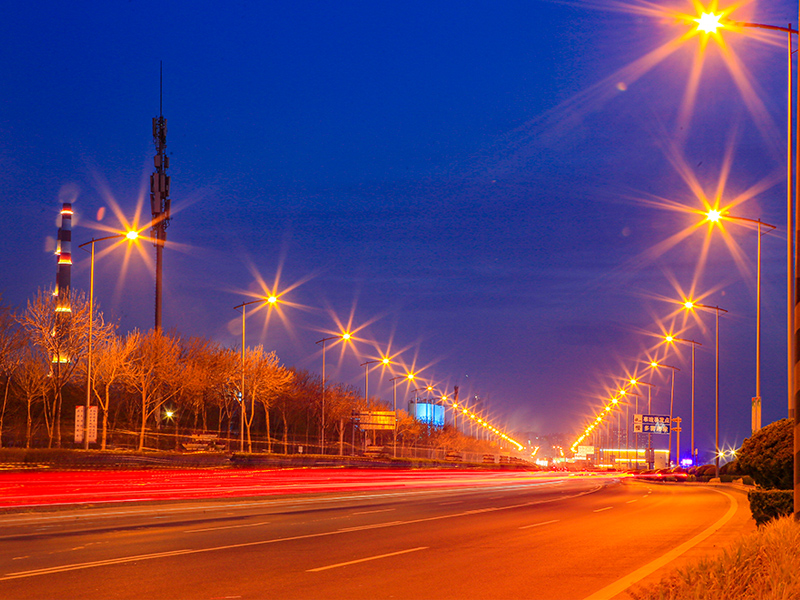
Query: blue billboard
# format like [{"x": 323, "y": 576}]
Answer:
[{"x": 427, "y": 411}]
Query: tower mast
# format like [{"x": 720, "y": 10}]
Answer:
[{"x": 159, "y": 195}]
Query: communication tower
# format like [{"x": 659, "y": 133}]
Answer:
[{"x": 159, "y": 196}]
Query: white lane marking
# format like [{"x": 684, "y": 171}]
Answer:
[
  {"x": 632, "y": 501},
  {"x": 449, "y": 503},
  {"x": 373, "y": 526},
  {"x": 621, "y": 585},
  {"x": 369, "y": 512},
  {"x": 127, "y": 559},
  {"x": 360, "y": 560},
  {"x": 20, "y": 557},
  {"x": 540, "y": 524},
  {"x": 226, "y": 527},
  {"x": 602, "y": 509}
]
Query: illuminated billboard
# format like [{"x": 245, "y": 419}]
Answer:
[{"x": 427, "y": 411}]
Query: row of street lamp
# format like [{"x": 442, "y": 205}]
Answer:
[{"x": 346, "y": 336}]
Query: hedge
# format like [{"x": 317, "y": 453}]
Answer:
[{"x": 767, "y": 505}]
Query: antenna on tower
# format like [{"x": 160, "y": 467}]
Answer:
[{"x": 159, "y": 192}]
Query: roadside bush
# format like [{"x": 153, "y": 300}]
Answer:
[
  {"x": 767, "y": 455},
  {"x": 767, "y": 505},
  {"x": 764, "y": 565}
]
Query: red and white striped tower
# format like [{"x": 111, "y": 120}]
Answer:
[{"x": 64, "y": 254}]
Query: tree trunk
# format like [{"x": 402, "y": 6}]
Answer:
[
  {"x": 28, "y": 426},
  {"x": 3, "y": 412},
  {"x": 144, "y": 421},
  {"x": 105, "y": 420},
  {"x": 341, "y": 437},
  {"x": 269, "y": 437},
  {"x": 285, "y": 433}
]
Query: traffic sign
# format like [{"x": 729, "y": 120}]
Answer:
[{"x": 651, "y": 424}]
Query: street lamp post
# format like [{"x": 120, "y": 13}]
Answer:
[
  {"x": 716, "y": 216},
  {"x": 409, "y": 377},
  {"x": 689, "y": 305},
  {"x": 130, "y": 235},
  {"x": 344, "y": 336},
  {"x": 670, "y": 339},
  {"x": 385, "y": 362},
  {"x": 624, "y": 393},
  {"x": 792, "y": 246},
  {"x": 655, "y": 364},
  {"x": 271, "y": 299},
  {"x": 649, "y": 455}
]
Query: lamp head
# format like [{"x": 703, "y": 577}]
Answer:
[
  {"x": 132, "y": 235},
  {"x": 708, "y": 22}
]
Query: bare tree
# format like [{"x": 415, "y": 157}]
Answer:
[
  {"x": 61, "y": 338},
  {"x": 32, "y": 377},
  {"x": 266, "y": 380},
  {"x": 12, "y": 340},
  {"x": 153, "y": 372},
  {"x": 110, "y": 355}
]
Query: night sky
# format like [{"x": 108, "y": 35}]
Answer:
[{"x": 487, "y": 188}]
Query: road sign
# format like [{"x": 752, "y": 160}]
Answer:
[
  {"x": 79, "y": 424},
  {"x": 375, "y": 419},
  {"x": 651, "y": 424}
]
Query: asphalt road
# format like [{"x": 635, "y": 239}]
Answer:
[{"x": 502, "y": 536}]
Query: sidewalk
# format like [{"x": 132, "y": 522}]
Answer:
[{"x": 740, "y": 524}]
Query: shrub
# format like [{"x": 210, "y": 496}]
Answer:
[
  {"x": 764, "y": 565},
  {"x": 767, "y": 455},
  {"x": 767, "y": 505}
]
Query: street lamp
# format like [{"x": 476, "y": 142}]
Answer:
[
  {"x": 715, "y": 216},
  {"x": 649, "y": 454},
  {"x": 624, "y": 394},
  {"x": 344, "y": 337},
  {"x": 271, "y": 300},
  {"x": 655, "y": 365},
  {"x": 130, "y": 236},
  {"x": 384, "y": 361},
  {"x": 792, "y": 245},
  {"x": 690, "y": 305},
  {"x": 671, "y": 339},
  {"x": 407, "y": 377}
]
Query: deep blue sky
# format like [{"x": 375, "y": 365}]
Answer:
[{"x": 467, "y": 175}]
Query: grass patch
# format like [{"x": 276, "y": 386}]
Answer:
[{"x": 764, "y": 565}]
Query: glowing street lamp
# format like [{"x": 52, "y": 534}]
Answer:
[
  {"x": 406, "y": 377},
  {"x": 708, "y": 22},
  {"x": 345, "y": 336},
  {"x": 384, "y": 361},
  {"x": 690, "y": 305},
  {"x": 131, "y": 236},
  {"x": 656, "y": 365},
  {"x": 649, "y": 456},
  {"x": 671, "y": 339},
  {"x": 271, "y": 300},
  {"x": 716, "y": 217}
]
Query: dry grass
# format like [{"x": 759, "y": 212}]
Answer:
[{"x": 764, "y": 565}]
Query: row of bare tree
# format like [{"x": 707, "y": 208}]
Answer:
[{"x": 136, "y": 376}]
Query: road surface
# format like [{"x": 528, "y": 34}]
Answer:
[{"x": 493, "y": 535}]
